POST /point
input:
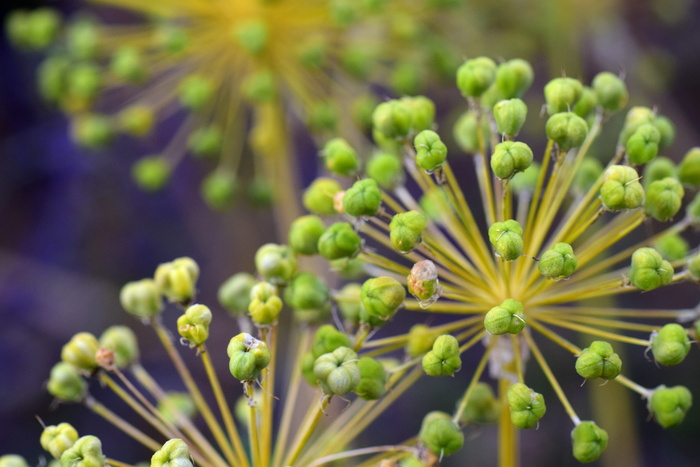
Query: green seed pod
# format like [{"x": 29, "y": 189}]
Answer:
[
  {"x": 440, "y": 434},
  {"x": 482, "y": 406},
  {"x": 219, "y": 189},
  {"x": 466, "y": 132},
  {"x": 422, "y": 112},
  {"x": 43, "y": 26},
  {"x": 406, "y": 78},
  {"x": 672, "y": 247},
  {"x": 693, "y": 210},
  {"x": 611, "y": 91},
  {"x": 174, "y": 40},
  {"x": 13, "y": 460},
  {"x": 362, "y": 109},
  {"x": 348, "y": 268},
  {"x": 312, "y": 52},
  {"x": 372, "y": 383},
  {"x": 431, "y": 152},
  {"x": 527, "y": 407},
  {"x": 339, "y": 241},
  {"x": 363, "y": 198},
  {"x": 689, "y": 168},
  {"x": 406, "y": 229},
  {"x": 381, "y": 297},
  {"x": 83, "y": 38},
  {"x": 323, "y": 116},
  {"x": 318, "y": 197},
  {"x": 420, "y": 340},
  {"x": 392, "y": 119},
  {"x": 56, "y": 439},
  {"x": 643, "y": 145},
  {"x": 562, "y": 94},
  {"x": 443, "y": 358},
  {"x": 509, "y": 158},
  {"x": 508, "y": 317},
  {"x": 174, "y": 405},
  {"x": 177, "y": 279},
  {"x": 141, "y": 298},
  {"x": 92, "y": 131},
  {"x": 658, "y": 169},
  {"x": 151, "y": 173},
  {"x": 127, "y": 65},
  {"x": 340, "y": 158},
  {"x": 669, "y": 405},
  {"x": 308, "y": 294},
  {"x": 435, "y": 203},
  {"x": 260, "y": 193},
  {"x": 636, "y": 117},
  {"x": 276, "y": 263},
  {"x": 304, "y": 234},
  {"x": 514, "y": 77},
  {"x": 337, "y": 371},
  {"x": 252, "y": 35},
  {"x": 307, "y": 369},
  {"x": 567, "y": 129},
  {"x": 586, "y": 104},
  {"x": 174, "y": 453},
  {"x": 649, "y": 270},
  {"x": 348, "y": 301},
  {"x": 260, "y": 87},
  {"x": 327, "y": 339},
  {"x": 475, "y": 76},
  {"x": 242, "y": 408},
  {"x": 667, "y": 130},
  {"x": 206, "y": 141},
  {"x": 621, "y": 188},
  {"x": 80, "y": 351},
  {"x": 526, "y": 181},
  {"x": 86, "y": 452},
  {"x": 248, "y": 356},
  {"x": 84, "y": 82},
  {"x": 598, "y": 361},
  {"x": 670, "y": 344},
  {"x": 234, "y": 294},
  {"x": 357, "y": 61},
  {"x": 122, "y": 341},
  {"x": 694, "y": 267},
  {"x": 195, "y": 91},
  {"x": 589, "y": 441},
  {"x": 587, "y": 174},
  {"x": 559, "y": 261},
  {"x": 136, "y": 120},
  {"x": 423, "y": 282},
  {"x": 507, "y": 238},
  {"x": 194, "y": 324},
  {"x": 66, "y": 384},
  {"x": 265, "y": 304},
  {"x": 18, "y": 28},
  {"x": 52, "y": 78},
  {"x": 386, "y": 169},
  {"x": 510, "y": 116}
]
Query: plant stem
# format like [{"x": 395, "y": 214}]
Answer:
[
  {"x": 507, "y": 434},
  {"x": 122, "y": 424},
  {"x": 306, "y": 432}
]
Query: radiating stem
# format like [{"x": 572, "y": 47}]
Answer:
[{"x": 507, "y": 433}]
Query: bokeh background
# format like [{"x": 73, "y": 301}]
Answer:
[{"x": 74, "y": 228}]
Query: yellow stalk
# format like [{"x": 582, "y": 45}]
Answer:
[
  {"x": 475, "y": 379},
  {"x": 507, "y": 433},
  {"x": 554, "y": 337},
  {"x": 116, "y": 463},
  {"x": 253, "y": 425},
  {"x": 268, "y": 388},
  {"x": 310, "y": 424},
  {"x": 122, "y": 424},
  {"x": 593, "y": 331}
]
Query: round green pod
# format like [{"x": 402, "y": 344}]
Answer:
[
  {"x": 122, "y": 341},
  {"x": 318, "y": 197},
  {"x": 248, "y": 356},
  {"x": 407, "y": 78},
  {"x": 56, "y": 439},
  {"x": 508, "y": 317},
  {"x": 363, "y": 198},
  {"x": 670, "y": 344},
  {"x": 260, "y": 87},
  {"x": 84, "y": 83},
  {"x": 507, "y": 239},
  {"x": 586, "y": 104},
  {"x": 559, "y": 261},
  {"x": 174, "y": 453},
  {"x": 373, "y": 376},
  {"x": 219, "y": 189},
  {"x": 392, "y": 119},
  {"x": 599, "y": 360},
  {"x": 475, "y": 76},
  {"x": 431, "y": 152},
  {"x": 86, "y": 452},
  {"x": 589, "y": 441},
  {"x": 406, "y": 230},
  {"x": 440, "y": 434},
  {"x": 672, "y": 247},
  {"x": 561, "y": 94},
  {"x": 234, "y": 293},
  {"x": 265, "y": 304},
  {"x": 420, "y": 340},
  {"x": 276, "y": 263},
  {"x": 338, "y": 372},
  {"x": 348, "y": 301},
  {"x": 443, "y": 358},
  {"x": 527, "y": 407},
  {"x": 194, "y": 324},
  {"x": 566, "y": 129},
  {"x": 136, "y": 120},
  {"x": 635, "y": 117},
  {"x": 339, "y": 241},
  {"x": 621, "y": 188},
  {"x": 176, "y": 406},
  {"x": 93, "y": 131},
  {"x": 386, "y": 169},
  {"x": 127, "y": 65},
  {"x": 177, "y": 279},
  {"x": 382, "y": 296},
  {"x": 466, "y": 132},
  {"x": 514, "y": 77},
  {"x": 52, "y": 78},
  {"x": 206, "y": 141},
  {"x": 689, "y": 168},
  {"x": 610, "y": 90},
  {"x": 361, "y": 110},
  {"x": 649, "y": 270},
  {"x": 510, "y": 116},
  {"x": 141, "y": 298},
  {"x": 422, "y": 282},
  {"x": 65, "y": 383},
  {"x": 83, "y": 38},
  {"x": 667, "y": 130},
  {"x": 252, "y": 35},
  {"x": 693, "y": 266},
  {"x": 643, "y": 145},
  {"x": 15, "y": 460},
  {"x": 483, "y": 408},
  {"x": 151, "y": 173},
  {"x": 327, "y": 339},
  {"x": 526, "y": 181},
  {"x": 304, "y": 234},
  {"x": 670, "y": 405},
  {"x": 340, "y": 158},
  {"x": 309, "y": 295},
  {"x": 587, "y": 174},
  {"x": 657, "y": 169},
  {"x": 195, "y": 91},
  {"x": 509, "y": 158},
  {"x": 80, "y": 351}
]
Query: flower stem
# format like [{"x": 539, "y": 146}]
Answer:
[
  {"x": 507, "y": 434},
  {"x": 122, "y": 424}
]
